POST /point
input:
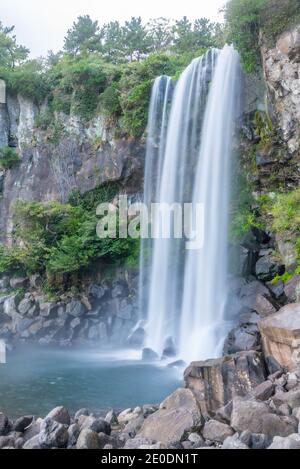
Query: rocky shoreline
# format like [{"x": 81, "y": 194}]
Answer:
[
  {"x": 265, "y": 418},
  {"x": 247, "y": 399}
]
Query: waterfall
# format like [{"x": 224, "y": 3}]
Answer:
[
  {"x": 185, "y": 290},
  {"x": 202, "y": 327},
  {"x": 156, "y": 140}
]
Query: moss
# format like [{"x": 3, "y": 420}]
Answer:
[{"x": 284, "y": 278}]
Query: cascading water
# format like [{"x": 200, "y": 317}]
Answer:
[
  {"x": 159, "y": 111},
  {"x": 186, "y": 290},
  {"x": 175, "y": 185},
  {"x": 202, "y": 328}
]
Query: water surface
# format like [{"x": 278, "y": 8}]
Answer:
[{"x": 36, "y": 380}]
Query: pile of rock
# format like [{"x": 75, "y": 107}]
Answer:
[{"x": 104, "y": 313}]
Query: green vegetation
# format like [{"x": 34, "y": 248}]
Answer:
[
  {"x": 245, "y": 19},
  {"x": 109, "y": 67},
  {"x": 59, "y": 241},
  {"x": 284, "y": 278},
  {"x": 8, "y": 158}
]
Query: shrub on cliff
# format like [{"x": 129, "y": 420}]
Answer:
[
  {"x": 245, "y": 19},
  {"x": 55, "y": 239},
  {"x": 8, "y": 158}
]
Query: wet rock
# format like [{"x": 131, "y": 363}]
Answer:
[
  {"x": 281, "y": 336},
  {"x": 22, "y": 423},
  {"x": 177, "y": 364},
  {"x": 60, "y": 415},
  {"x": 217, "y": 431},
  {"x": 215, "y": 382},
  {"x": 53, "y": 434},
  {"x": 149, "y": 355},
  {"x": 88, "y": 439}
]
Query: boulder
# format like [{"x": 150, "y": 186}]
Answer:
[
  {"x": 177, "y": 415},
  {"x": 292, "y": 289},
  {"x": 76, "y": 309},
  {"x": 21, "y": 424},
  {"x": 247, "y": 415},
  {"x": 216, "y": 382},
  {"x": 291, "y": 442},
  {"x": 242, "y": 338},
  {"x": 96, "y": 425},
  {"x": 256, "y": 297},
  {"x": 127, "y": 415},
  {"x": 53, "y": 434},
  {"x": 281, "y": 336},
  {"x": 233, "y": 442},
  {"x": 60, "y": 415},
  {"x": 4, "y": 424},
  {"x": 73, "y": 432},
  {"x": 216, "y": 431},
  {"x": 291, "y": 398},
  {"x": 33, "y": 443},
  {"x": 263, "y": 391},
  {"x": 88, "y": 439},
  {"x": 257, "y": 417},
  {"x": 267, "y": 268},
  {"x": 149, "y": 355}
]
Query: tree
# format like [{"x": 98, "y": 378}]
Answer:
[
  {"x": 11, "y": 54},
  {"x": 160, "y": 33},
  {"x": 83, "y": 36},
  {"x": 203, "y": 32},
  {"x": 113, "y": 47},
  {"x": 136, "y": 41},
  {"x": 183, "y": 32}
]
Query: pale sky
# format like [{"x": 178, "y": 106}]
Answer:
[{"x": 42, "y": 24}]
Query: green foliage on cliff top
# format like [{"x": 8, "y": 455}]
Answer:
[
  {"x": 246, "y": 18},
  {"x": 108, "y": 67}
]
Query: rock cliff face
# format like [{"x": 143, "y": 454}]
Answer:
[
  {"x": 282, "y": 72},
  {"x": 83, "y": 156}
]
